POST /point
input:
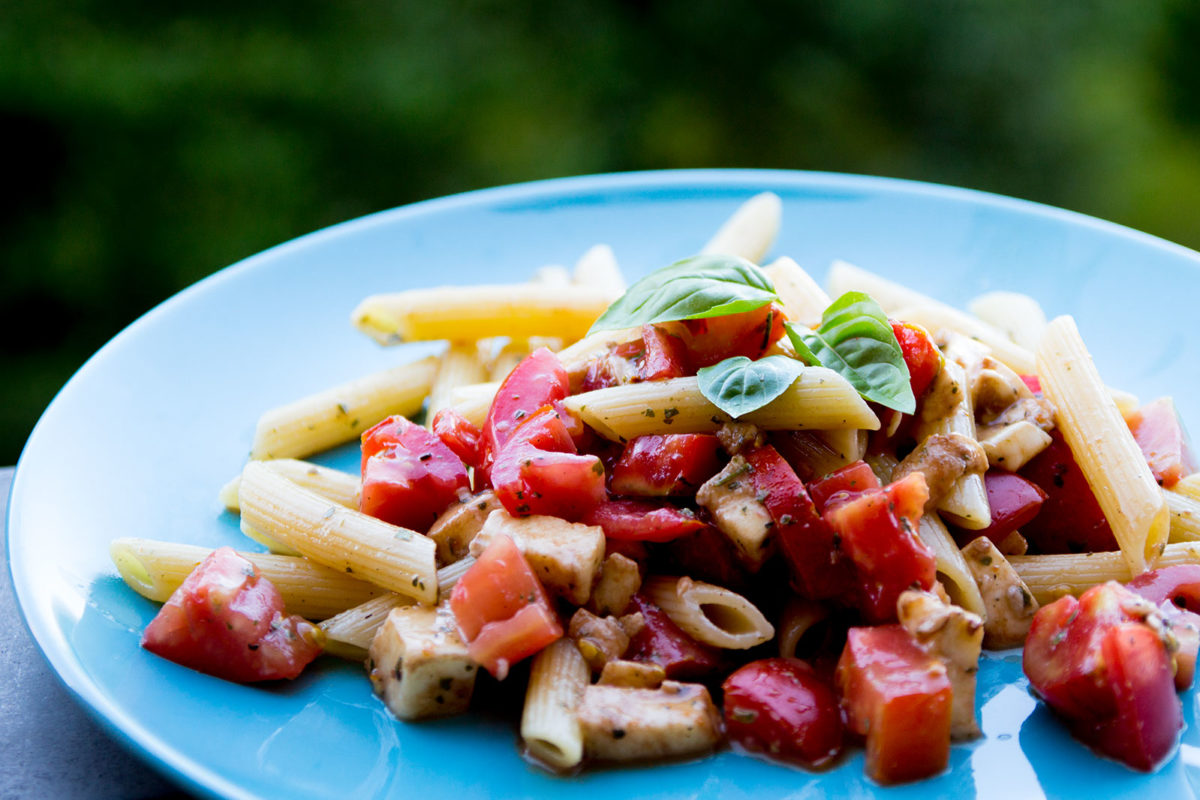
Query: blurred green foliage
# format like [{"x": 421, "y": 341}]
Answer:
[{"x": 149, "y": 144}]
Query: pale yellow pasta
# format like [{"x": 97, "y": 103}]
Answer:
[
  {"x": 391, "y": 557},
  {"x": 751, "y": 230},
  {"x": 1049, "y": 577},
  {"x": 802, "y": 298},
  {"x": 711, "y": 614},
  {"x": 849, "y": 444},
  {"x": 1189, "y": 485},
  {"x": 461, "y": 365},
  {"x": 551, "y": 275},
  {"x": 348, "y": 635},
  {"x": 1185, "y": 516},
  {"x": 449, "y": 575},
  {"x": 1017, "y": 315},
  {"x": 342, "y": 413},
  {"x": 156, "y": 569},
  {"x": 819, "y": 399},
  {"x": 550, "y": 719},
  {"x": 966, "y": 503},
  {"x": 799, "y": 616},
  {"x": 473, "y": 401},
  {"x": 333, "y": 484},
  {"x": 470, "y": 313},
  {"x": 952, "y": 568},
  {"x": 598, "y": 268},
  {"x": 1103, "y": 446}
]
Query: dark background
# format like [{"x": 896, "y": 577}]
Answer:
[{"x": 148, "y": 144}]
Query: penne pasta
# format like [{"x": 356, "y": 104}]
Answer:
[
  {"x": 1017, "y": 315},
  {"x": 461, "y": 365},
  {"x": 156, "y": 569},
  {"x": 710, "y": 614},
  {"x": 598, "y": 268},
  {"x": 348, "y": 635},
  {"x": 472, "y": 402},
  {"x": 802, "y": 298},
  {"x": 550, "y": 720},
  {"x": 952, "y": 567},
  {"x": 1103, "y": 446},
  {"x": 1185, "y": 516},
  {"x": 332, "y": 484},
  {"x": 751, "y": 231},
  {"x": 391, "y": 557},
  {"x": 819, "y": 399},
  {"x": 341, "y": 414},
  {"x": 1049, "y": 577},
  {"x": 470, "y": 313},
  {"x": 800, "y": 615},
  {"x": 966, "y": 504}
]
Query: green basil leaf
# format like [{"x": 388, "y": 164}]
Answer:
[
  {"x": 694, "y": 288},
  {"x": 856, "y": 340},
  {"x": 738, "y": 385}
]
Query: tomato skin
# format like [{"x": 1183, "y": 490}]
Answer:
[
  {"x": 1160, "y": 436},
  {"x": 845, "y": 482},
  {"x": 1014, "y": 502},
  {"x": 227, "y": 620},
  {"x": 1176, "y": 591},
  {"x": 409, "y": 475},
  {"x": 899, "y": 697},
  {"x": 715, "y": 339},
  {"x": 878, "y": 532},
  {"x": 537, "y": 471},
  {"x": 643, "y": 520},
  {"x": 662, "y": 642},
  {"x": 664, "y": 355},
  {"x": 617, "y": 366},
  {"x": 921, "y": 355},
  {"x": 457, "y": 433},
  {"x": 1070, "y": 520},
  {"x": 538, "y": 380},
  {"x": 659, "y": 465},
  {"x": 708, "y": 555},
  {"x": 781, "y": 707},
  {"x": 501, "y": 609}
]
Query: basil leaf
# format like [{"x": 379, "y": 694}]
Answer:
[
  {"x": 694, "y": 288},
  {"x": 738, "y": 385},
  {"x": 855, "y": 339}
]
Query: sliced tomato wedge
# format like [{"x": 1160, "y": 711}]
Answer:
[
  {"x": 643, "y": 520},
  {"x": 715, "y": 339},
  {"x": 1070, "y": 520},
  {"x": 842, "y": 484},
  {"x": 457, "y": 433},
  {"x": 502, "y": 610},
  {"x": 227, "y": 620},
  {"x": 537, "y": 381},
  {"x": 662, "y": 642},
  {"x": 664, "y": 355},
  {"x": 899, "y": 697},
  {"x": 666, "y": 464},
  {"x": 921, "y": 355},
  {"x": 1176, "y": 591},
  {"x": 1160, "y": 435},
  {"x": 409, "y": 476},
  {"x": 1014, "y": 502}
]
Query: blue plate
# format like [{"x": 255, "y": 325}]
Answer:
[{"x": 141, "y": 439}]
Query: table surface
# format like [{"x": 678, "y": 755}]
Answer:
[{"x": 52, "y": 747}]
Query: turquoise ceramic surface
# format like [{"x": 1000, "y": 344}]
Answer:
[{"x": 139, "y": 442}]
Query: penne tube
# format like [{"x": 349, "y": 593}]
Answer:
[
  {"x": 550, "y": 720},
  {"x": 819, "y": 399},
  {"x": 470, "y": 313},
  {"x": 598, "y": 268},
  {"x": 1185, "y": 516},
  {"x": 341, "y": 414},
  {"x": 803, "y": 299},
  {"x": 472, "y": 402},
  {"x": 1189, "y": 485},
  {"x": 332, "y": 484},
  {"x": 1017, "y": 315},
  {"x": 710, "y": 614},
  {"x": 348, "y": 635},
  {"x": 389, "y": 556},
  {"x": 460, "y": 365},
  {"x": 966, "y": 503},
  {"x": 952, "y": 567},
  {"x": 156, "y": 569},
  {"x": 752, "y": 229},
  {"x": 1103, "y": 446},
  {"x": 799, "y": 616},
  {"x": 448, "y": 575},
  {"x": 551, "y": 275},
  {"x": 1050, "y": 577}
]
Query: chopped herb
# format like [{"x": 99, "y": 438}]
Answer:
[{"x": 649, "y": 412}]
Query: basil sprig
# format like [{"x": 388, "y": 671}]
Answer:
[
  {"x": 694, "y": 288},
  {"x": 856, "y": 340},
  {"x": 738, "y": 385}
]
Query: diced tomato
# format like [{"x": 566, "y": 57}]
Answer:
[
  {"x": 501, "y": 609},
  {"x": 643, "y": 520},
  {"x": 1107, "y": 673},
  {"x": 665, "y": 355},
  {"x": 1176, "y": 591},
  {"x": 409, "y": 475},
  {"x": 538, "y": 380},
  {"x": 921, "y": 355},
  {"x": 662, "y": 642},
  {"x": 818, "y": 567},
  {"x": 457, "y": 433},
  {"x": 1159, "y": 434},
  {"x": 227, "y": 620},
  {"x": 1014, "y": 502},
  {"x": 844, "y": 483},
  {"x": 666, "y": 464},
  {"x": 899, "y": 697},
  {"x": 708, "y": 555},
  {"x": 781, "y": 707},
  {"x": 1070, "y": 520},
  {"x": 715, "y": 339},
  {"x": 1033, "y": 382},
  {"x": 878, "y": 530},
  {"x": 537, "y": 471},
  {"x": 616, "y": 367}
]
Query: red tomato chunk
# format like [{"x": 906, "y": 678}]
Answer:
[
  {"x": 227, "y": 620},
  {"x": 781, "y": 707},
  {"x": 1107, "y": 674},
  {"x": 850, "y": 479},
  {"x": 667, "y": 464},
  {"x": 1070, "y": 520},
  {"x": 457, "y": 433},
  {"x": 408, "y": 475},
  {"x": 1014, "y": 502},
  {"x": 537, "y": 381},
  {"x": 643, "y": 520},
  {"x": 662, "y": 642},
  {"x": 921, "y": 356},
  {"x": 502, "y": 610},
  {"x": 1159, "y": 434},
  {"x": 715, "y": 339},
  {"x": 899, "y": 697},
  {"x": 1176, "y": 591}
]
